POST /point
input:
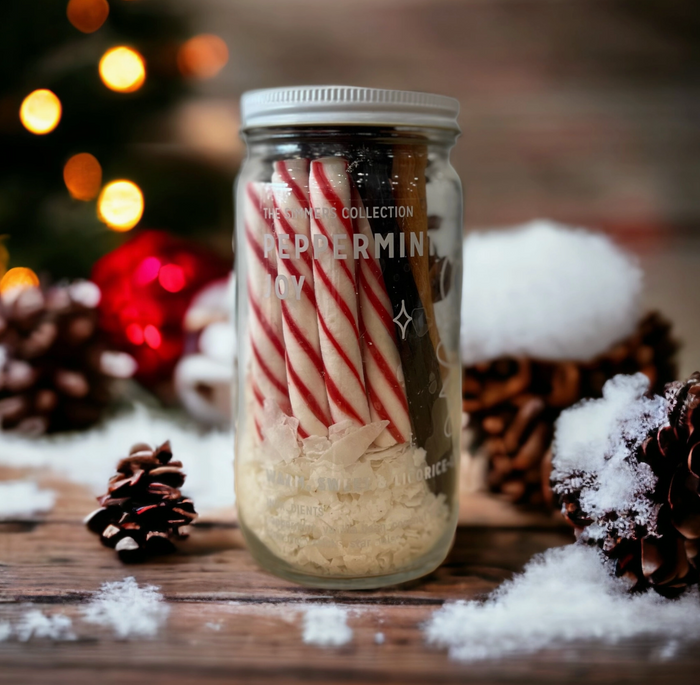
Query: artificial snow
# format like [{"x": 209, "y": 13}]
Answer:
[
  {"x": 35, "y": 624},
  {"x": 594, "y": 453},
  {"x": 129, "y": 609},
  {"x": 547, "y": 291},
  {"x": 326, "y": 626},
  {"x": 23, "y": 499},
  {"x": 90, "y": 457},
  {"x": 566, "y": 595}
]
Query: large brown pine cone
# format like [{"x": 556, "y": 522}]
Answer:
[
  {"x": 513, "y": 403},
  {"x": 55, "y": 370},
  {"x": 667, "y": 558},
  {"x": 143, "y": 510}
]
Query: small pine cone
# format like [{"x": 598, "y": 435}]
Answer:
[
  {"x": 664, "y": 551},
  {"x": 143, "y": 510},
  {"x": 55, "y": 370},
  {"x": 513, "y": 403}
]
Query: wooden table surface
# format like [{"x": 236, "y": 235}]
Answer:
[{"x": 56, "y": 565}]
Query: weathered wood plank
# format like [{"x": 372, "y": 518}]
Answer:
[{"x": 232, "y": 622}]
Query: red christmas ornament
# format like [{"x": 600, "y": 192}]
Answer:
[{"x": 147, "y": 285}]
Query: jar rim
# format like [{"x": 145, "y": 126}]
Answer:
[{"x": 346, "y": 105}]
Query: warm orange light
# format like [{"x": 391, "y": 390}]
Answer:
[
  {"x": 87, "y": 15},
  {"x": 40, "y": 112},
  {"x": 83, "y": 176},
  {"x": 202, "y": 56},
  {"x": 18, "y": 279},
  {"x": 122, "y": 69},
  {"x": 120, "y": 205}
]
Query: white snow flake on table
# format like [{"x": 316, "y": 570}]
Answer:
[
  {"x": 565, "y": 595},
  {"x": 129, "y": 609},
  {"x": 326, "y": 626},
  {"x": 23, "y": 498}
]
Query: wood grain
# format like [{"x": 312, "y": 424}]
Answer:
[{"x": 231, "y": 622}]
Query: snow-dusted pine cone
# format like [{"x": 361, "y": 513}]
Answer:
[
  {"x": 513, "y": 404},
  {"x": 143, "y": 510},
  {"x": 627, "y": 469},
  {"x": 55, "y": 369}
]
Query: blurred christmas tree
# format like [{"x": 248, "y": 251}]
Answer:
[{"x": 113, "y": 71}]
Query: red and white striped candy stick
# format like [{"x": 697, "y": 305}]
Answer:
[
  {"x": 305, "y": 370},
  {"x": 268, "y": 372},
  {"x": 334, "y": 283},
  {"x": 386, "y": 388}
]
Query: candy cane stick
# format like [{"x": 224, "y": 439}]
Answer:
[
  {"x": 334, "y": 283},
  {"x": 268, "y": 368},
  {"x": 383, "y": 373},
  {"x": 305, "y": 370}
]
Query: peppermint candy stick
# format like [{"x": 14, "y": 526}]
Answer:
[
  {"x": 268, "y": 372},
  {"x": 334, "y": 282},
  {"x": 305, "y": 370},
  {"x": 386, "y": 388}
]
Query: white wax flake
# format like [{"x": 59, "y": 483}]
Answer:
[
  {"x": 89, "y": 457},
  {"x": 129, "y": 609},
  {"x": 379, "y": 503},
  {"x": 36, "y": 625},
  {"x": 280, "y": 433},
  {"x": 565, "y": 595},
  {"x": 24, "y": 498},
  {"x": 326, "y": 626},
  {"x": 379, "y": 638},
  {"x": 594, "y": 452},
  {"x": 351, "y": 445},
  {"x": 547, "y": 291},
  {"x": 5, "y": 631},
  {"x": 214, "y": 625}
]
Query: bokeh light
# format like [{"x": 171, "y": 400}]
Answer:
[
  {"x": 83, "y": 176},
  {"x": 152, "y": 336},
  {"x": 120, "y": 205},
  {"x": 134, "y": 333},
  {"x": 147, "y": 271},
  {"x": 172, "y": 278},
  {"x": 87, "y": 15},
  {"x": 40, "y": 112},
  {"x": 16, "y": 280},
  {"x": 203, "y": 56},
  {"x": 122, "y": 69}
]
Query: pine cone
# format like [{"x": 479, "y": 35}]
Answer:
[
  {"x": 665, "y": 558},
  {"x": 513, "y": 404},
  {"x": 55, "y": 371},
  {"x": 143, "y": 510}
]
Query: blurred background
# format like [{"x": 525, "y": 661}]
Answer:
[{"x": 581, "y": 111}]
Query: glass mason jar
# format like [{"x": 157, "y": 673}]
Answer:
[{"x": 349, "y": 270}]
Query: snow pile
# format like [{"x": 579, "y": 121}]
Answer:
[
  {"x": 547, "y": 291},
  {"x": 595, "y": 455},
  {"x": 563, "y": 596},
  {"x": 130, "y": 610},
  {"x": 35, "y": 624},
  {"x": 90, "y": 457},
  {"x": 23, "y": 499},
  {"x": 326, "y": 626}
]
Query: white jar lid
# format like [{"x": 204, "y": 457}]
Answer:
[{"x": 342, "y": 105}]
